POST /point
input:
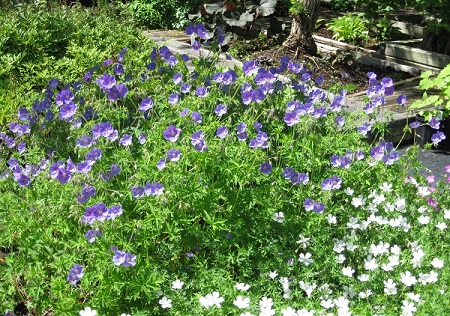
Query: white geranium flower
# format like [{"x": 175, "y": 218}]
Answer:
[
  {"x": 165, "y": 302},
  {"x": 88, "y": 312},
  {"x": 177, "y": 284},
  {"x": 242, "y": 287},
  {"x": 305, "y": 259},
  {"x": 241, "y": 302},
  {"x": 437, "y": 263}
]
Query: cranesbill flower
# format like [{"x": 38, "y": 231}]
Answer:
[
  {"x": 265, "y": 168},
  {"x": 308, "y": 204},
  {"x": 64, "y": 97},
  {"x": 126, "y": 140},
  {"x": 67, "y": 111},
  {"x": 196, "y": 117},
  {"x": 414, "y": 125},
  {"x": 173, "y": 98},
  {"x": 84, "y": 167},
  {"x": 92, "y": 234},
  {"x": 88, "y": 312},
  {"x": 146, "y": 104},
  {"x": 93, "y": 155},
  {"x": 222, "y": 131},
  {"x": 365, "y": 128},
  {"x": 161, "y": 164},
  {"x": 185, "y": 88},
  {"x": 106, "y": 81},
  {"x": 172, "y": 133},
  {"x": 60, "y": 173},
  {"x": 247, "y": 97},
  {"x": 165, "y": 303},
  {"x": 242, "y": 136},
  {"x": 438, "y": 137},
  {"x": 23, "y": 114},
  {"x": 288, "y": 172},
  {"x": 196, "y": 45},
  {"x": 142, "y": 138},
  {"x": 137, "y": 192},
  {"x": 435, "y": 123},
  {"x": 333, "y": 183},
  {"x": 173, "y": 154},
  {"x": 86, "y": 193},
  {"x": 154, "y": 189},
  {"x": 401, "y": 99},
  {"x": 21, "y": 147},
  {"x": 220, "y": 110},
  {"x": 201, "y": 91},
  {"x": 299, "y": 178},
  {"x": 250, "y": 67},
  {"x": 177, "y": 78},
  {"x": 294, "y": 67},
  {"x": 257, "y": 96}
]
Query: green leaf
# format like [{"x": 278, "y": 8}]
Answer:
[{"x": 426, "y": 84}]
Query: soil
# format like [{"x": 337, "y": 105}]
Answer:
[{"x": 340, "y": 69}]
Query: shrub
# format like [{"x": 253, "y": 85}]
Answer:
[
  {"x": 160, "y": 14},
  {"x": 37, "y": 44}
]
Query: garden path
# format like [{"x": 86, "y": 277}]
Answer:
[{"x": 433, "y": 161}]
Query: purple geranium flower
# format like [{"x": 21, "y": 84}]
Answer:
[
  {"x": 177, "y": 78},
  {"x": 174, "y": 98},
  {"x": 333, "y": 183},
  {"x": 64, "y": 97},
  {"x": 161, "y": 164},
  {"x": 201, "y": 91},
  {"x": 435, "y": 123},
  {"x": 220, "y": 109},
  {"x": 291, "y": 118},
  {"x": 84, "y": 167},
  {"x": 118, "y": 69},
  {"x": 265, "y": 168},
  {"x": 414, "y": 125},
  {"x": 365, "y": 128},
  {"x": 106, "y": 81},
  {"x": 146, "y": 104},
  {"x": 137, "y": 192},
  {"x": 92, "y": 234},
  {"x": 126, "y": 140},
  {"x": 196, "y": 45},
  {"x": 247, "y": 97},
  {"x": 173, "y": 154},
  {"x": 299, "y": 178},
  {"x": 142, "y": 138},
  {"x": 185, "y": 88},
  {"x": 184, "y": 112},
  {"x": 172, "y": 133},
  {"x": 196, "y": 117},
  {"x": 67, "y": 111},
  {"x": 438, "y": 137},
  {"x": 250, "y": 67},
  {"x": 222, "y": 131},
  {"x": 119, "y": 257}
]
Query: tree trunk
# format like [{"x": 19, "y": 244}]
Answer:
[{"x": 303, "y": 23}]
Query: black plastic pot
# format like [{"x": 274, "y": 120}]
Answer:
[{"x": 424, "y": 132}]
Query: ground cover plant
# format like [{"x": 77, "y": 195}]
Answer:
[
  {"x": 174, "y": 186},
  {"x": 38, "y": 43}
]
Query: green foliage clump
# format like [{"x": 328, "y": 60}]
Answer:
[
  {"x": 349, "y": 28},
  {"x": 434, "y": 104},
  {"x": 37, "y": 44},
  {"x": 160, "y": 14}
]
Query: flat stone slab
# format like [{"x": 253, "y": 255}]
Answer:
[{"x": 182, "y": 46}]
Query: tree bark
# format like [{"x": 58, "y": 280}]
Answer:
[{"x": 300, "y": 37}]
